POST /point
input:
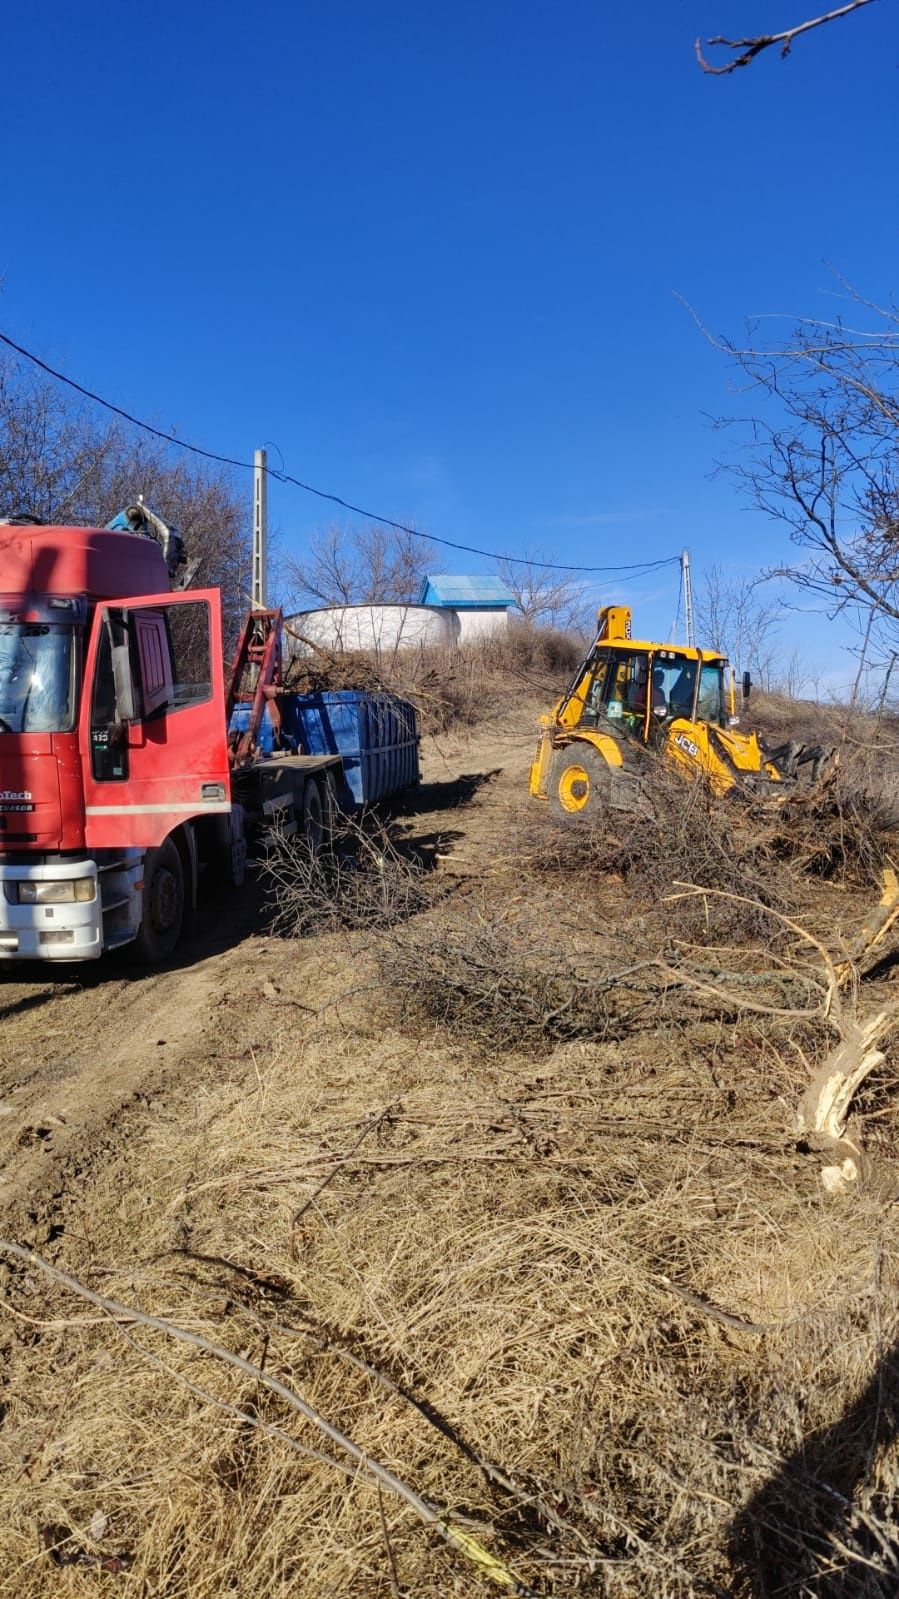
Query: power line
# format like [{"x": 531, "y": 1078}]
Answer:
[{"x": 633, "y": 570}]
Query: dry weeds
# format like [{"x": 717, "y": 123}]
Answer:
[
  {"x": 451, "y": 687},
  {"x": 514, "y": 1196},
  {"x": 629, "y": 1311}
]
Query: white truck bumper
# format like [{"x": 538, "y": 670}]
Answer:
[{"x": 66, "y": 930}]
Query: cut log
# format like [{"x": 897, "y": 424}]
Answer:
[{"x": 825, "y": 1103}]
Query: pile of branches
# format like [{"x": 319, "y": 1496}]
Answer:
[
  {"x": 679, "y": 833},
  {"x": 846, "y": 830},
  {"x": 364, "y": 882},
  {"x": 485, "y": 973},
  {"x": 325, "y": 671}
]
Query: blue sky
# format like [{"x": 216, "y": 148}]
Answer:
[{"x": 430, "y": 251}]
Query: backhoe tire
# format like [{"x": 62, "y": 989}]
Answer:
[
  {"x": 162, "y": 916},
  {"x": 580, "y": 785}
]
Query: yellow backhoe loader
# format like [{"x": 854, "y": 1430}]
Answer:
[{"x": 632, "y": 702}]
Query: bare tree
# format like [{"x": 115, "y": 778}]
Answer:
[
  {"x": 546, "y": 598},
  {"x": 57, "y": 462},
  {"x": 369, "y": 565},
  {"x": 733, "y": 617},
  {"x": 822, "y": 457},
  {"x": 755, "y": 44},
  {"x": 209, "y": 509},
  {"x": 53, "y": 460}
]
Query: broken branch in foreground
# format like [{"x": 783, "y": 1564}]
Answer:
[
  {"x": 824, "y": 1109},
  {"x": 485, "y": 1563},
  {"x": 754, "y": 46}
]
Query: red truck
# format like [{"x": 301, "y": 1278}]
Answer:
[{"x": 120, "y": 782}]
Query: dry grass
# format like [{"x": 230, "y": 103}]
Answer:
[
  {"x": 528, "y": 1219},
  {"x": 484, "y": 681},
  {"x": 534, "y": 1316}
]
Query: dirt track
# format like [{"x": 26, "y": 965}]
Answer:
[{"x": 88, "y": 1054}]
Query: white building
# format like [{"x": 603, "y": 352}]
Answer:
[{"x": 476, "y": 606}]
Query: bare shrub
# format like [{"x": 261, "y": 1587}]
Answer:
[
  {"x": 778, "y": 717},
  {"x": 528, "y": 647},
  {"x": 364, "y": 882},
  {"x": 61, "y": 463},
  {"x": 450, "y": 686},
  {"x": 481, "y": 976},
  {"x": 680, "y": 833},
  {"x": 734, "y": 616},
  {"x": 544, "y": 593}
]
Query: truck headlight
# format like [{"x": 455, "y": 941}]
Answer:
[{"x": 64, "y": 891}]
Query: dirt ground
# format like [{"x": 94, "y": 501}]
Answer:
[
  {"x": 99, "y": 1062},
  {"x": 88, "y": 1052},
  {"x": 584, "y": 1295}
]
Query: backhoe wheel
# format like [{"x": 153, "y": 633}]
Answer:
[
  {"x": 580, "y": 784},
  {"x": 162, "y": 916}
]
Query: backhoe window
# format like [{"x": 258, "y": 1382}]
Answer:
[
  {"x": 710, "y": 706},
  {"x": 626, "y": 688},
  {"x": 37, "y": 678},
  {"x": 596, "y": 691},
  {"x": 673, "y": 682}
]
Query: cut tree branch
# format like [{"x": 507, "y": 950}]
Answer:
[
  {"x": 487, "y": 1565},
  {"x": 754, "y": 46}
]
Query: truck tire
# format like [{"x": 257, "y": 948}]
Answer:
[
  {"x": 580, "y": 784},
  {"x": 162, "y": 914},
  {"x": 313, "y": 818}
]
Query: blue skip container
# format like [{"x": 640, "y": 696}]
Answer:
[{"x": 376, "y": 736}]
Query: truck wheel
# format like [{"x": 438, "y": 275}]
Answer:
[
  {"x": 580, "y": 784},
  {"x": 162, "y": 916},
  {"x": 313, "y": 818}
]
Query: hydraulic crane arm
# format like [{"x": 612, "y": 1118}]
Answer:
[{"x": 138, "y": 518}]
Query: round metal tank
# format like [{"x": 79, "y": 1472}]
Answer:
[{"x": 379, "y": 628}]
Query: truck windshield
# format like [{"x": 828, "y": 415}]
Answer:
[{"x": 37, "y": 678}]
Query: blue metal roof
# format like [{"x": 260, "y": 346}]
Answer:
[{"x": 447, "y": 588}]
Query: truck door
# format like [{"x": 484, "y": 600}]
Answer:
[{"x": 152, "y": 731}]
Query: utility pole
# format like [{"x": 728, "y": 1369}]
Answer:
[
  {"x": 688, "y": 598},
  {"x": 260, "y": 532}
]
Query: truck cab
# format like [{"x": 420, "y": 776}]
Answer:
[{"x": 113, "y": 748}]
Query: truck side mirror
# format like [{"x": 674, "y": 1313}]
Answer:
[{"x": 747, "y": 685}]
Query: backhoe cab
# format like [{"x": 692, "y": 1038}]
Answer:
[{"x": 633, "y": 700}]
